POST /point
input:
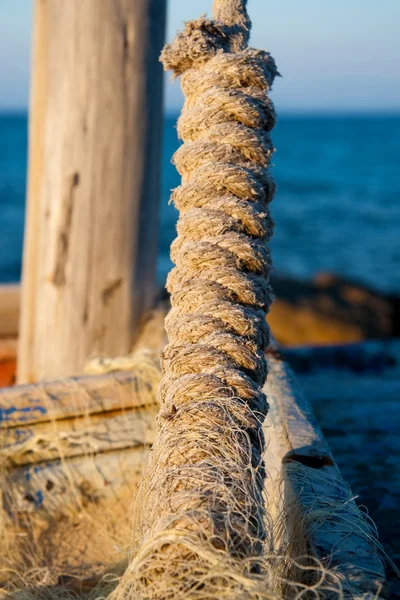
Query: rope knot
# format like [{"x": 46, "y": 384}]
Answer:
[
  {"x": 203, "y": 38},
  {"x": 200, "y": 40}
]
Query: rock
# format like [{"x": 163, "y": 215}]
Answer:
[
  {"x": 330, "y": 309},
  {"x": 325, "y": 310}
]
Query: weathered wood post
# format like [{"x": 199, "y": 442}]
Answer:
[{"x": 93, "y": 187}]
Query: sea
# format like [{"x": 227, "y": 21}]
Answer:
[{"x": 337, "y": 208}]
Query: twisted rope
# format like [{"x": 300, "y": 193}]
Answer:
[
  {"x": 219, "y": 287},
  {"x": 205, "y": 481}
]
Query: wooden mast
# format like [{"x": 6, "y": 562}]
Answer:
[{"x": 93, "y": 187}]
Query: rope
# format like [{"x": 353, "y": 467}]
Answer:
[
  {"x": 219, "y": 287},
  {"x": 204, "y": 483}
]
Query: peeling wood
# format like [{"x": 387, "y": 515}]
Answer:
[
  {"x": 83, "y": 436},
  {"x": 83, "y": 479},
  {"x": 73, "y": 397},
  {"x": 41, "y": 493}
]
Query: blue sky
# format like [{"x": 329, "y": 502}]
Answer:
[{"x": 334, "y": 55}]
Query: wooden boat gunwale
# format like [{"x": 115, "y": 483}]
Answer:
[{"x": 294, "y": 440}]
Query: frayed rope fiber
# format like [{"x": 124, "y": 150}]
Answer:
[{"x": 202, "y": 516}]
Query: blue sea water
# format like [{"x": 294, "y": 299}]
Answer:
[{"x": 337, "y": 208}]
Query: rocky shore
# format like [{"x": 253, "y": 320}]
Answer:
[
  {"x": 326, "y": 310},
  {"x": 331, "y": 310}
]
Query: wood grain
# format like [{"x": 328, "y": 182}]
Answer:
[
  {"x": 43, "y": 493},
  {"x": 93, "y": 189},
  {"x": 306, "y": 486},
  {"x": 83, "y": 436},
  {"x": 73, "y": 397}
]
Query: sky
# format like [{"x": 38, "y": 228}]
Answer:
[{"x": 334, "y": 55}]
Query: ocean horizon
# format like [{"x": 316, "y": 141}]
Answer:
[{"x": 336, "y": 210}]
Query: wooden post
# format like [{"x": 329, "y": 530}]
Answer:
[{"x": 93, "y": 188}]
